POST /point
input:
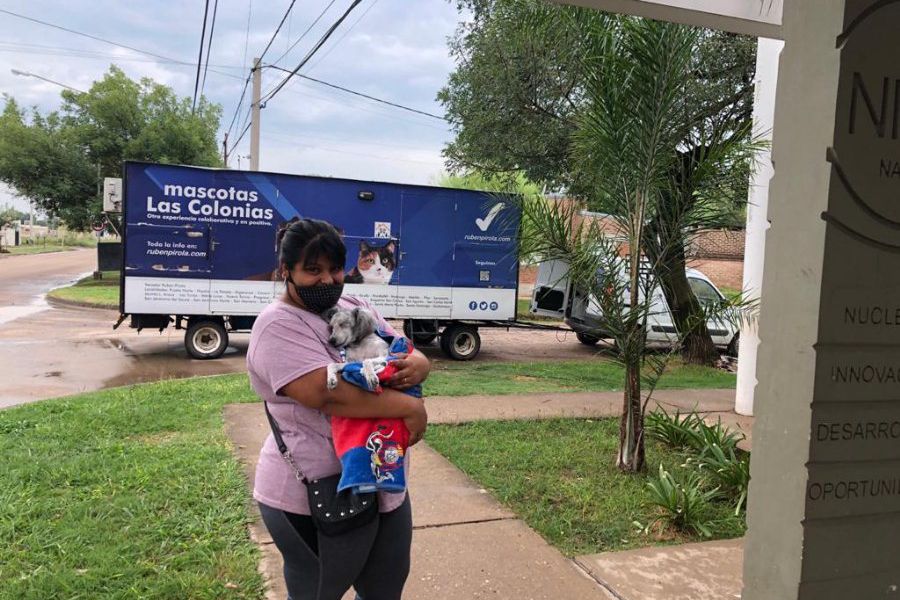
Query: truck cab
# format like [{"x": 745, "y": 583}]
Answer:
[{"x": 555, "y": 295}]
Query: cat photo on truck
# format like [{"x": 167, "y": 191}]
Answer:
[{"x": 375, "y": 264}]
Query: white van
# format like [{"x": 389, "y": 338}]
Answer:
[{"x": 554, "y": 295}]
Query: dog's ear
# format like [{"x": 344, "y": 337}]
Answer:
[
  {"x": 328, "y": 314},
  {"x": 363, "y": 323},
  {"x": 362, "y": 315}
]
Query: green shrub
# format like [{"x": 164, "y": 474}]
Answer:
[
  {"x": 675, "y": 430},
  {"x": 683, "y": 500},
  {"x": 730, "y": 470},
  {"x": 706, "y": 436}
]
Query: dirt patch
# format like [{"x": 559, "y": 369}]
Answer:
[{"x": 520, "y": 345}]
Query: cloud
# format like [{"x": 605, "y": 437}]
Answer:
[{"x": 393, "y": 52}]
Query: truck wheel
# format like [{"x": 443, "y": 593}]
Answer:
[
  {"x": 734, "y": 346},
  {"x": 587, "y": 340},
  {"x": 205, "y": 339},
  {"x": 461, "y": 342},
  {"x": 420, "y": 332}
]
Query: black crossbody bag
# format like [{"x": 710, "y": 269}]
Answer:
[{"x": 332, "y": 512}]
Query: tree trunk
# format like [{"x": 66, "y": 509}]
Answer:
[
  {"x": 697, "y": 346},
  {"x": 631, "y": 426},
  {"x": 667, "y": 253}
]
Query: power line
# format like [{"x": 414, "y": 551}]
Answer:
[
  {"x": 312, "y": 52},
  {"x": 277, "y": 29},
  {"x": 240, "y": 137},
  {"x": 212, "y": 29},
  {"x": 247, "y": 37},
  {"x": 171, "y": 60},
  {"x": 237, "y": 109},
  {"x": 303, "y": 35},
  {"x": 368, "y": 97},
  {"x": 24, "y": 48},
  {"x": 86, "y": 54},
  {"x": 240, "y": 103},
  {"x": 87, "y": 35},
  {"x": 341, "y": 39},
  {"x": 200, "y": 57}
]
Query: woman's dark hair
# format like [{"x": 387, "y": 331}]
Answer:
[{"x": 308, "y": 239}]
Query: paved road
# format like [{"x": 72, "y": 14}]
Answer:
[
  {"x": 50, "y": 351},
  {"x": 25, "y": 279}
]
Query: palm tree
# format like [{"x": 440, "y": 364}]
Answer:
[{"x": 631, "y": 136}]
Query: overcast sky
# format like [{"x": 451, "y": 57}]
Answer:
[{"x": 391, "y": 49}]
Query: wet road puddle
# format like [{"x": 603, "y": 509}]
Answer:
[{"x": 11, "y": 313}]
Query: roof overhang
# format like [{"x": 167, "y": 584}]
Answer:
[{"x": 759, "y": 18}]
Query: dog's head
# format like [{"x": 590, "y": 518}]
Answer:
[{"x": 348, "y": 327}]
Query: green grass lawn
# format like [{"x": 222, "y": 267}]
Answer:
[
  {"x": 560, "y": 477},
  {"x": 730, "y": 293},
  {"x": 102, "y": 293},
  {"x": 568, "y": 376},
  {"x": 37, "y": 249},
  {"x": 134, "y": 492},
  {"x": 126, "y": 493}
]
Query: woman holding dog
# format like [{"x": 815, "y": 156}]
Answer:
[{"x": 287, "y": 361}]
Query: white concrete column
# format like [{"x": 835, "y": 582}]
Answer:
[
  {"x": 767, "y": 54},
  {"x": 824, "y": 506}
]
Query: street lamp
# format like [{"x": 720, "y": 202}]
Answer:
[{"x": 27, "y": 74}]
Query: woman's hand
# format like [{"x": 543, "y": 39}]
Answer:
[
  {"x": 417, "y": 423},
  {"x": 412, "y": 370}
]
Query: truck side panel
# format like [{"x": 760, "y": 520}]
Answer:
[{"x": 201, "y": 241}]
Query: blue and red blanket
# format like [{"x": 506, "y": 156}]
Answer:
[{"x": 373, "y": 451}]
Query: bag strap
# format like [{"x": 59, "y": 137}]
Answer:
[
  {"x": 282, "y": 447},
  {"x": 276, "y": 432}
]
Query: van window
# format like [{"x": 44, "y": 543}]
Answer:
[{"x": 704, "y": 292}]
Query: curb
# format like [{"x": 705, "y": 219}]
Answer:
[
  {"x": 11, "y": 254},
  {"x": 65, "y": 302}
]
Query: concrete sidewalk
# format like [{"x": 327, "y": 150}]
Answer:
[
  {"x": 466, "y": 545},
  {"x": 713, "y": 404}
]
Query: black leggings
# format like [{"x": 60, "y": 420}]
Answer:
[{"x": 374, "y": 559}]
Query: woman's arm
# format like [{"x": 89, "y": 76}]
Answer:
[
  {"x": 347, "y": 400},
  {"x": 413, "y": 369}
]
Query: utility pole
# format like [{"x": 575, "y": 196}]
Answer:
[
  {"x": 254, "y": 118},
  {"x": 225, "y": 150}
]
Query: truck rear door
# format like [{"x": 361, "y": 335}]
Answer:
[
  {"x": 550, "y": 296},
  {"x": 426, "y": 254},
  {"x": 167, "y": 269}
]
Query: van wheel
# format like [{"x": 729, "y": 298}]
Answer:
[
  {"x": 460, "y": 342},
  {"x": 734, "y": 346},
  {"x": 420, "y": 332},
  {"x": 587, "y": 340},
  {"x": 205, "y": 339}
]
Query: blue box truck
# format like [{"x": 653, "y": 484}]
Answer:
[{"x": 199, "y": 252}]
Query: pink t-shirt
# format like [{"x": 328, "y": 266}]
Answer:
[{"x": 286, "y": 343}]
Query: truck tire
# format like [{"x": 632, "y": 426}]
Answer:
[
  {"x": 734, "y": 346},
  {"x": 205, "y": 339},
  {"x": 460, "y": 342},
  {"x": 420, "y": 332},
  {"x": 587, "y": 340}
]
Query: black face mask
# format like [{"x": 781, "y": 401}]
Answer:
[{"x": 319, "y": 298}]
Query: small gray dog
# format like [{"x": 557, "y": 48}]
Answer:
[{"x": 354, "y": 331}]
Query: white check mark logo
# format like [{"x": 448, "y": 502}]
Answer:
[{"x": 484, "y": 223}]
